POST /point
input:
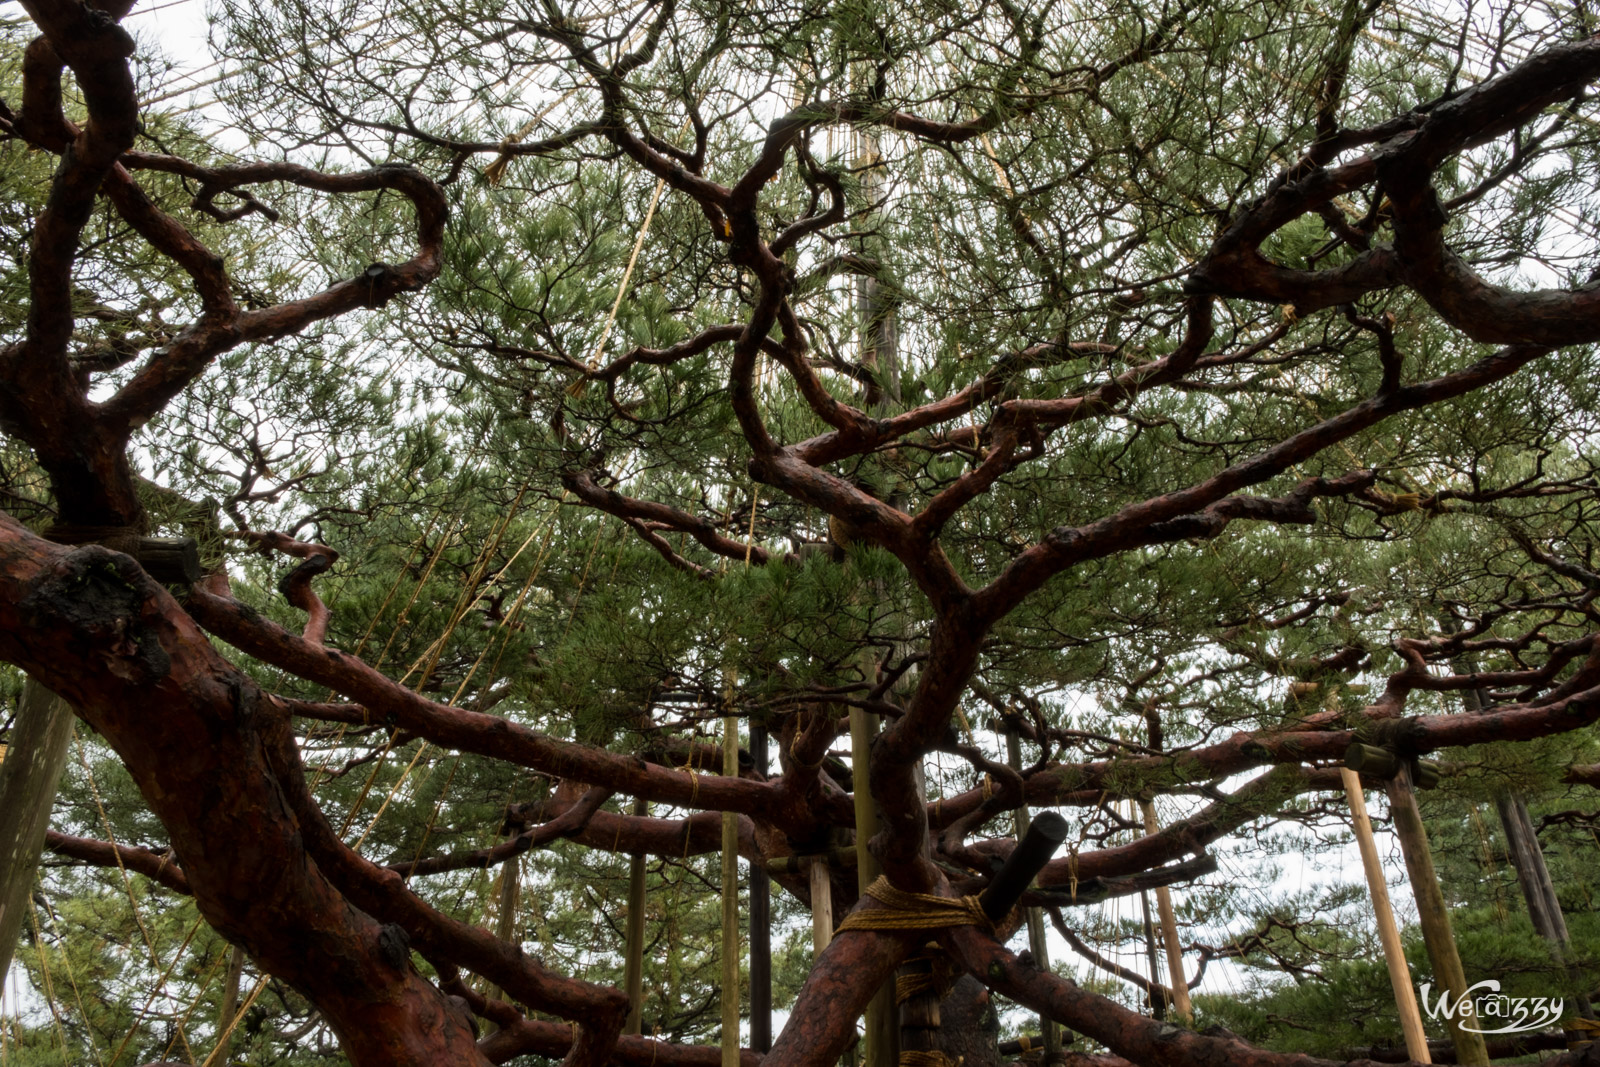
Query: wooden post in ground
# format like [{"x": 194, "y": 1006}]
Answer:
[
  {"x": 1036, "y": 939},
  {"x": 730, "y": 902},
  {"x": 1405, "y": 997},
  {"x": 760, "y": 925},
  {"x": 1169, "y": 931},
  {"x": 633, "y": 936},
  {"x": 882, "y": 1028},
  {"x": 1433, "y": 915},
  {"x": 29, "y": 775}
]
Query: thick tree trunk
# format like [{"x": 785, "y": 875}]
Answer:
[
  {"x": 28, "y": 780},
  {"x": 89, "y": 624}
]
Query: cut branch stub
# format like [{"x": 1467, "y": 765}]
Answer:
[
  {"x": 1044, "y": 836},
  {"x": 166, "y": 559}
]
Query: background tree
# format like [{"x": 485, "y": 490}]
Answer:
[{"x": 1245, "y": 390}]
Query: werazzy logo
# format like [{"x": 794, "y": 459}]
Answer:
[{"x": 1517, "y": 1013}]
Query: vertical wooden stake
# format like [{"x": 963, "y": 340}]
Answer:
[
  {"x": 883, "y": 1031},
  {"x": 1432, "y": 913},
  {"x": 505, "y": 927},
  {"x": 1036, "y": 938},
  {"x": 230, "y": 1001},
  {"x": 1405, "y": 998},
  {"x": 821, "y": 904},
  {"x": 1159, "y": 995},
  {"x": 29, "y": 776},
  {"x": 730, "y": 902},
  {"x": 633, "y": 958},
  {"x": 760, "y": 925},
  {"x": 1169, "y": 931}
]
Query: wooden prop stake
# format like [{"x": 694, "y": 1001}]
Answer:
[
  {"x": 29, "y": 776},
  {"x": 821, "y": 904},
  {"x": 760, "y": 925},
  {"x": 1405, "y": 998},
  {"x": 230, "y": 1000},
  {"x": 1160, "y": 995},
  {"x": 730, "y": 902},
  {"x": 1169, "y": 930},
  {"x": 882, "y": 1029},
  {"x": 633, "y": 960},
  {"x": 1432, "y": 913}
]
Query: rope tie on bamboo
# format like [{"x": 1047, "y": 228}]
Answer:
[{"x": 915, "y": 911}]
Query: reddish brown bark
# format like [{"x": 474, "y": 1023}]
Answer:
[
  {"x": 90, "y": 625},
  {"x": 214, "y": 756}
]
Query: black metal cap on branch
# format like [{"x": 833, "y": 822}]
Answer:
[
  {"x": 1384, "y": 763},
  {"x": 1044, "y": 836},
  {"x": 1370, "y": 759}
]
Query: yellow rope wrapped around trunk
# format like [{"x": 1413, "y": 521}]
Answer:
[{"x": 915, "y": 911}]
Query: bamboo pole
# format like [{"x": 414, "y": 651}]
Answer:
[
  {"x": 882, "y": 1030},
  {"x": 633, "y": 960},
  {"x": 1434, "y": 917},
  {"x": 1169, "y": 930},
  {"x": 1405, "y": 998},
  {"x": 29, "y": 776},
  {"x": 1036, "y": 937},
  {"x": 760, "y": 924},
  {"x": 730, "y": 902}
]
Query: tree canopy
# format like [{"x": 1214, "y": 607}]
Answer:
[{"x": 1183, "y": 391}]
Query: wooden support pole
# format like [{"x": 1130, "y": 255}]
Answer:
[
  {"x": 1169, "y": 930},
  {"x": 760, "y": 924},
  {"x": 730, "y": 902},
  {"x": 1159, "y": 994},
  {"x": 1405, "y": 998},
  {"x": 821, "y": 904},
  {"x": 1036, "y": 938},
  {"x": 29, "y": 776},
  {"x": 882, "y": 1030},
  {"x": 505, "y": 923},
  {"x": 1433, "y": 915},
  {"x": 633, "y": 951},
  {"x": 230, "y": 1002}
]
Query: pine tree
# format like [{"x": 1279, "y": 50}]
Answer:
[{"x": 518, "y": 394}]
